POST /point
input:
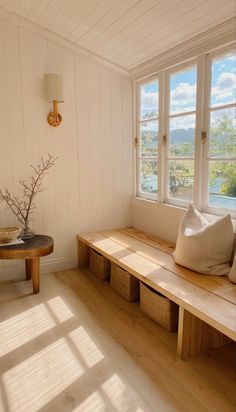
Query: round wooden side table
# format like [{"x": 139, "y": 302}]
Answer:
[{"x": 31, "y": 250}]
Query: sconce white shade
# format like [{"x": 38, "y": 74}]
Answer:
[{"x": 54, "y": 87}]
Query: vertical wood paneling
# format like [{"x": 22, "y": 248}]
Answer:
[
  {"x": 13, "y": 110},
  {"x": 83, "y": 136},
  {"x": 13, "y": 103},
  {"x": 127, "y": 122},
  {"x": 29, "y": 112},
  {"x": 60, "y": 141},
  {"x": 89, "y": 188},
  {"x": 43, "y": 140},
  {"x": 117, "y": 151},
  {"x": 106, "y": 145},
  {"x": 71, "y": 149},
  {"x": 95, "y": 146},
  {"x": 5, "y": 147}
]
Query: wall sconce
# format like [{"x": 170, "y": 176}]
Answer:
[{"x": 54, "y": 94}]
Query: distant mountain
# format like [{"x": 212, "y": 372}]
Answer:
[{"x": 177, "y": 137}]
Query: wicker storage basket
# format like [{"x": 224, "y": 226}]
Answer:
[
  {"x": 99, "y": 265},
  {"x": 125, "y": 284},
  {"x": 159, "y": 308}
]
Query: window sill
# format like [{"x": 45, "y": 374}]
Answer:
[{"x": 170, "y": 210}]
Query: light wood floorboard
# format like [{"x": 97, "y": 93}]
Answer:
[{"x": 79, "y": 347}]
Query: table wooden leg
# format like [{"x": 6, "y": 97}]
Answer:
[
  {"x": 35, "y": 263},
  {"x": 28, "y": 268}
]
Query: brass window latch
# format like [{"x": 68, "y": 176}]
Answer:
[
  {"x": 136, "y": 142},
  {"x": 204, "y": 136}
]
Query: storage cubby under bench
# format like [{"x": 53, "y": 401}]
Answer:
[{"x": 207, "y": 304}]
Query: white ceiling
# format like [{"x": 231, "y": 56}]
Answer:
[{"x": 126, "y": 32}]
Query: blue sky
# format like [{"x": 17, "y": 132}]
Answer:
[
  {"x": 224, "y": 81},
  {"x": 183, "y": 90}
]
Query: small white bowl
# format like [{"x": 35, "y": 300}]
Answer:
[{"x": 8, "y": 234}]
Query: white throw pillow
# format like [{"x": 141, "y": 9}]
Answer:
[
  {"x": 232, "y": 275},
  {"x": 202, "y": 246}
]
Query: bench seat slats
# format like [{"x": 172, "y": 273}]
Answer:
[
  {"x": 218, "y": 285},
  {"x": 149, "y": 265}
]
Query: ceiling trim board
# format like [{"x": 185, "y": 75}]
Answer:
[
  {"x": 56, "y": 38},
  {"x": 219, "y": 35}
]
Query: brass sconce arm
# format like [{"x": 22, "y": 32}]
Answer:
[
  {"x": 54, "y": 118},
  {"x": 54, "y": 94}
]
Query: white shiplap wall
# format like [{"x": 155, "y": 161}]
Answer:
[{"x": 90, "y": 187}]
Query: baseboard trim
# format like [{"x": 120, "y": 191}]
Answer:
[{"x": 17, "y": 271}]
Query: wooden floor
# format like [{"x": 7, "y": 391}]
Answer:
[{"x": 78, "y": 346}]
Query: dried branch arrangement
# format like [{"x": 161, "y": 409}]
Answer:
[{"x": 23, "y": 208}]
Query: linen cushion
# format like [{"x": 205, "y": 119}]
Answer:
[
  {"x": 202, "y": 246},
  {"x": 232, "y": 274}
]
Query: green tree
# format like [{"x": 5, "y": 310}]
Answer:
[{"x": 223, "y": 144}]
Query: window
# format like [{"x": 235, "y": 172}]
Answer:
[
  {"x": 220, "y": 150},
  {"x": 195, "y": 158},
  {"x": 181, "y": 133},
  {"x": 148, "y": 140}
]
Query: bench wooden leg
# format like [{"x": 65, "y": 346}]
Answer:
[
  {"x": 196, "y": 337},
  {"x": 35, "y": 267},
  {"x": 83, "y": 254},
  {"x": 28, "y": 269}
]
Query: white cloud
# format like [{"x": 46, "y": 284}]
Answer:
[
  {"x": 183, "y": 122},
  {"x": 231, "y": 57},
  {"x": 183, "y": 97},
  {"x": 225, "y": 88},
  {"x": 149, "y": 100}
]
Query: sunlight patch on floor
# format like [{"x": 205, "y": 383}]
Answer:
[
  {"x": 86, "y": 347},
  {"x": 42, "y": 377},
  {"x": 118, "y": 394},
  {"x": 59, "y": 309},
  {"x": 94, "y": 403},
  {"x": 24, "y": 327}
]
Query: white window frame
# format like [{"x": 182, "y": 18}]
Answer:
[
  {"x": 200, "y": 192},
  {"x": 176, "y": 69},
  {"x": 208, "y": 110},
  {"x": 144, "y": 195}
]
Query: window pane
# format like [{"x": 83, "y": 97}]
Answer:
[
  {"x": 222, "y": 184},
  {"x": 181, "y": 179},
  {"x": 149, "y": 133},
  {"x": 183, "y": 86},
  {"x": 223, "y": 82},
  {"x": 223, "y": 133},
  {"x": 149, "y": 100},
  {"x": 182, "y": 136},
  {"x": 148, "y": 175}
]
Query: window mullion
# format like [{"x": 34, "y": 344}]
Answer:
[
  {"x": 161, "y": 143},
  {"x": 205, "y": 173},
  {"x": 165, "y": 168},
  {"x": 200, "y": 126},
  {"x": 136, "y": 171}
]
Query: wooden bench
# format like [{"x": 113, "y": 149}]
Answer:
[{"x": 207, "y": 304}]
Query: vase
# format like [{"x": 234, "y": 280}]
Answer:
[{"x": 27, "y": 233}]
